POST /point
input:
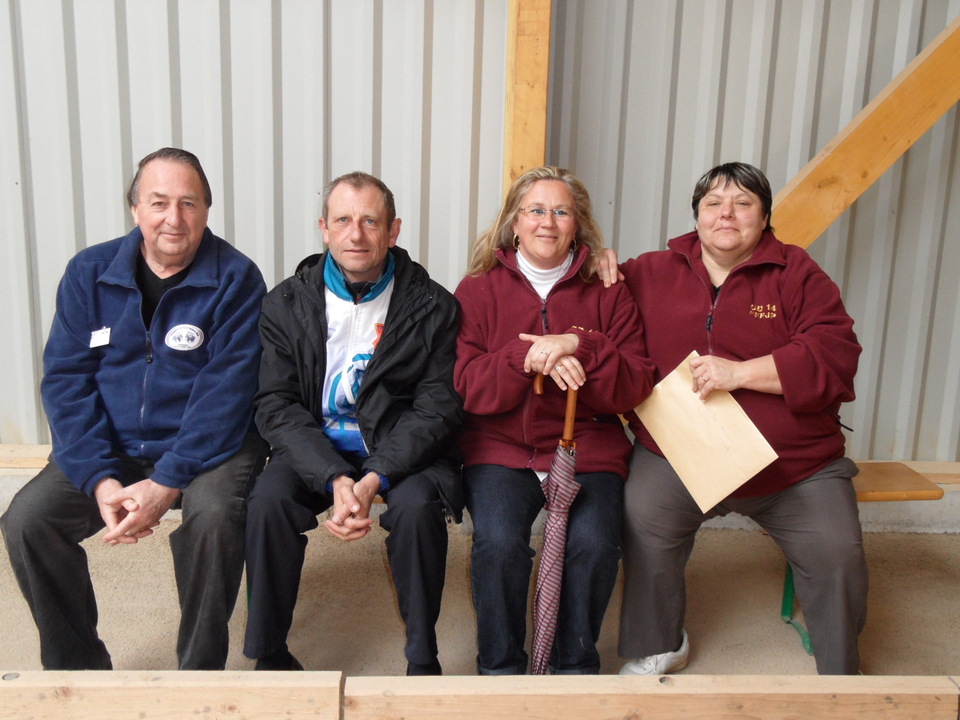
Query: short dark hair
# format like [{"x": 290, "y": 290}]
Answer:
[
  {"x": 177, "y": 155},
  {"x": 744, "y": 176},
  {"x": 358, "y": 180}
]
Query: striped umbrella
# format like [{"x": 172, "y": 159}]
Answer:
[{"x": 560, "y": 489}]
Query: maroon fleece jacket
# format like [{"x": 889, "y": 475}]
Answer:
[
  {"x": 506, "y": 424},
  {"x": 778, "y": 302}
]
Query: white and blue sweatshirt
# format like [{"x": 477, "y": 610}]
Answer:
[{"x": 354, "y": 329}]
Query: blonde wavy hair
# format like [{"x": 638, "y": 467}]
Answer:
[{"x": 500, "y": 235}]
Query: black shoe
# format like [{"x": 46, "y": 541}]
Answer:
[
  {"x": 280, "y": 660},
  {"x": 432, "y": 668}
]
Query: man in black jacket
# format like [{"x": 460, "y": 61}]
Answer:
[{"x": 356, "y": 399}]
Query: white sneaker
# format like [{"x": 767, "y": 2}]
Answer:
[{"x": 661, "y": 664}]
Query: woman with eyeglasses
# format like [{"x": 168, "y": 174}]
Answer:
[{"x": 531, "y": 304}]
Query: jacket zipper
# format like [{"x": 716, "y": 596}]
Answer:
[
  {"x": 143, "y": 390},
  {"x": 713, "y": 307}
]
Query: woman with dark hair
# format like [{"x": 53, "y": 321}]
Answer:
[
  {"x": 530, "y": 305},
  {"x": 770, "y": 328}
]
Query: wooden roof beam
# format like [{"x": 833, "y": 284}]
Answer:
[{"x": 875, "y": 139}]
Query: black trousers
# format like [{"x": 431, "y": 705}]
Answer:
[
  {"x": 282, "y": 508},
  {"x": 49, "y": 517}
]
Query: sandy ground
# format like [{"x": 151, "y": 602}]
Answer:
[{"x": 347, "y": 618}]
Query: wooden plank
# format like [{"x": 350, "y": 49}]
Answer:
[
  {"x": 170, "y": 695},
  {"x": 528, "y": 79},
  {"x": 943, "y": 472},
  {"x": 890, "y": 481},
  {"x": 880, "y": 133},
  {"x": 673, "y": 697},
  {"x": 24, "y": 456}
]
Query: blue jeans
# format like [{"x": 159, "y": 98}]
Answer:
[{"x": 504, "y": 503}]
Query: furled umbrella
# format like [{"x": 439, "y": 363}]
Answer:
[{"x": 560, "y": 489}]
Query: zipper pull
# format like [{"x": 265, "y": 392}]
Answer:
[{"x": 149, "y": 349}]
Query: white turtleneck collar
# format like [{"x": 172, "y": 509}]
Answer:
[{"x": 543, "y": 280}]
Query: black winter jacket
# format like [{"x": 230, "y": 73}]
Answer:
[{"x": 407, "y": 408}]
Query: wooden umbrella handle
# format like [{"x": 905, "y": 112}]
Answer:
[{"x": 571, "y": 413}]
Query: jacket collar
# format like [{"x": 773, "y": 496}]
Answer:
[
  {"x": 311, "y": 268},
  {"x": 204, "y": 270},
  {"x": 336, "y": 282},
  {"x": 769, "y": 251},
  {"x": 508, "y": 258}
]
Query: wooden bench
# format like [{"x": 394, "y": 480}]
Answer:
[
  {"x": 23, "y": 457},
  {"x": 876, "y": 482}
]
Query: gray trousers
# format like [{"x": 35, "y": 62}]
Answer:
[
  {"x": 49, "y": 517},
  {"x": 815, "y": 522}
]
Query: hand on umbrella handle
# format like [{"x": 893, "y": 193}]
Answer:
[{"x": 569, "y": 416}]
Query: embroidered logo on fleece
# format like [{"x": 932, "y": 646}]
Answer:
[
  {"x": 763, "y": 312},
  {"x": 184, "y": 337}
]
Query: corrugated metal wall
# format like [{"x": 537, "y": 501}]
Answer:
[
  {"x": 646, "y": 96},
  {"x": 276, "y": 97}
]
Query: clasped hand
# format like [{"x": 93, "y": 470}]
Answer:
[
  {"x": 553, "y": 355},
  {"x": 132, "y": 512},
  {"x": 351, "y": 519}
]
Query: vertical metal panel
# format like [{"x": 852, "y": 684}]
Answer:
[
  {"x": 405, "y": 118},
  {"x": 19, "y": 323},
  {"x": 253, "y": 165},
  {"x": 48, "y": 136},
  {"x": 276, "y": 97},
  {"x": 201, "y": 90},
  {"x": 351, "y": 45},
  {"x": 488, "y": 121},
  {"x": 98, "y": 121},
  {"x": 771, "y": 82},
  {"x": 648, "y": 135},
  {"x": 304, "y": 130},
  {"x": 147, "y": 68},
  {"x": 452, "y": 104}
]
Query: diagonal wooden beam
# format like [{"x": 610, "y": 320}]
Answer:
[
  {"x": 528, "y": 79},
  {"x": 880, "y": 133}
]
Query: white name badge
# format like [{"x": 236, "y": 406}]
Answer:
[{"x": 99, "y": 338}]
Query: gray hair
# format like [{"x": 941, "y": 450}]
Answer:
[{"x": 176, "y": 155}]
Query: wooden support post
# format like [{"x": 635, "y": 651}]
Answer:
[
  {"x": 528, "y": 78},
  {"x": 875, "y": 139},
  {"x": 671, "y": 697},
  {"x": 170, "y": 695}
]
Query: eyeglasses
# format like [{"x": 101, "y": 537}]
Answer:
[{"x": 539, "y": 213}]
